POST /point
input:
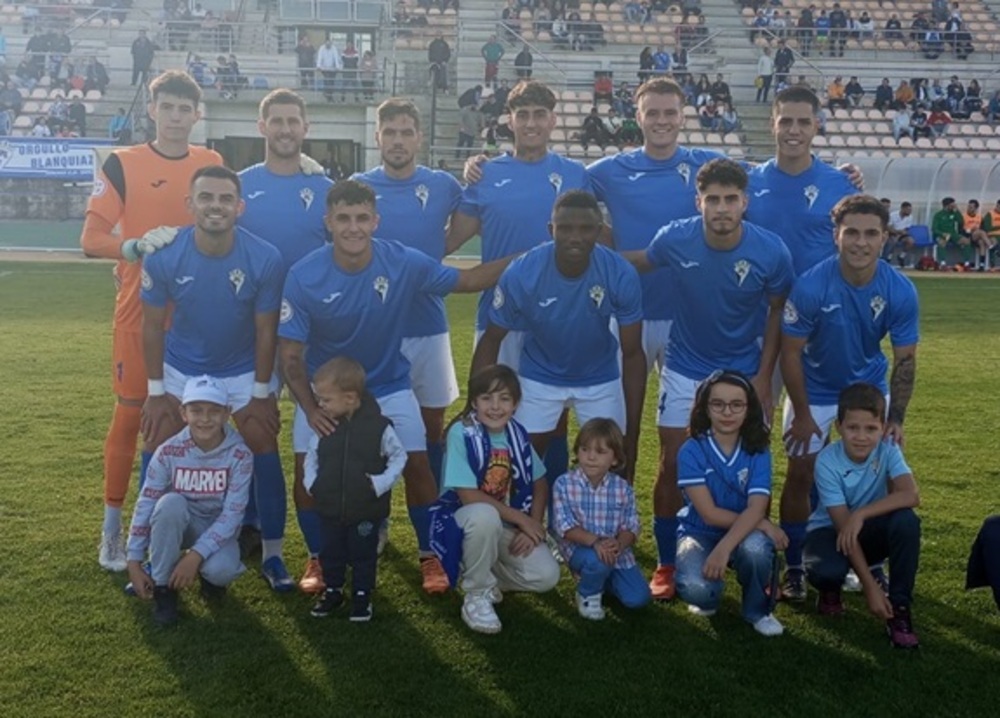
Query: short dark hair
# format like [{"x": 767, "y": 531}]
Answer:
[
  {"x": 947, "y": 200},
  {"x": 861, "y": 397},
  {"x": 755, "y": 434},
  {"x": 177, "y": 83},
  {"x": 659, "y": 86},
  {"x": 576, "y": 199},
  {"x": 974, "y": 203},
  {"x": 905, "y": 204},
  {"x": 859, "y": 204},
  {"x": 217, "y": 172},
  {"x": 398, "y": 107},
  {"x": 528, "y": 93},
  {"x": 722, "y": 171},
  {"x": 350, "y": 192},
  {"x": 282, "y": 96},
  {"x": 797, "y": 93}
]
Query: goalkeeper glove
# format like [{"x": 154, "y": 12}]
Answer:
[{"x": 155, "y": 239}]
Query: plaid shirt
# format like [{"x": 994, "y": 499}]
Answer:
[{"x": 604, "y": 510}]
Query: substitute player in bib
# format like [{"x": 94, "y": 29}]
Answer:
[
  {"x": 141, "y": 190},
  {"x": 224, "y": 285},
  {"x": 834, "y": 322},
  {"x": 354, "y": 301},
  {"x": 731, "y": 279},
  {"x": 415, "y": 205},
  {"x": 564, "y": 295},
  {"x": 510, "y": 208},
  {"x": 284, "y": 206}
]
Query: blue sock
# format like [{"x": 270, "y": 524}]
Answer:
[
  {"x": 556, "y": 457},
  {"x": 665, "y": 534},
  {"x": 420, "y": 517},
  {"x": 272, "y": 504},
  {"x": 312, "y": 530},
  {"x": 435, "y": 455},
  {"x": 147, "y": 456},
  {"x": 250, "y": 517},
  {"x": 796, "y": 531}
]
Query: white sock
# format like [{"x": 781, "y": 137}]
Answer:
[
  {"x": 112, "y": 520},
  {"x": 272, "y": 547}
]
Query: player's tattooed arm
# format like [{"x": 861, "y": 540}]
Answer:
[
  {"x": 291, "y": 355},
  {"x": 901, "y": 381}
]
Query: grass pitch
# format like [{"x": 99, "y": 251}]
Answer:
[{"x": 72, "y": 644}]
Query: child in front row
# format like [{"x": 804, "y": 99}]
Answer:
[
  {"x": 349, "y": 474},
  {"x": 596, "y": 517},
  {"x": 487, "y": 526},
  {"x": 865, "y": 514},
  {"x": 724, "y": 470}
]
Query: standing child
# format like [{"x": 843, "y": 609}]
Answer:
[
  {"x": 487, "y": 527},
  {"x": 724, "y": 470},
  {"x": 349, "y": 473},
  {"x": 596, "y": 517},
  {"x": 194, "y": 496},
  {"x": 865, "y": 514}
]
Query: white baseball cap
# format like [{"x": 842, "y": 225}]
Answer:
[{"x": 205, "y": 388}]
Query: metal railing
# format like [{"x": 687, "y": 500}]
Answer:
[
  {"x": 854, "y": 43},
  {"x": 556, "y": 75},
  {"x": 360, "y": 12}
]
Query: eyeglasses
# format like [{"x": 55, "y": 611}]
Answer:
[{"x": 718, "y": 406}]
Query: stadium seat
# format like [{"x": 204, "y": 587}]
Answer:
[
  {"x": 22, "y": 121},
  {"x": 871, "y": 142},
  {"x": 922, "y": 239},
  {"x": 853, "y": 141},
  {"x": 863, "y": 128},
  {"x": 993, "y": 145},
  {"x": 957, "y": 143},
  {"x": 984, "y": 131},
  {"x": 819, "y": 141},
  {"x": 966, "y": 129},
  {"x": 906, "y": 143},
  {"x": 859, "y": 115},
  {"x": 832, "y": 127},
  {"x": 836, "y": 141},
  {"x": 713, "y": 138},
  {"x": 696, "y": 138},
  {"x": 848, "y": 128},
  {"x": 923, "y": 143},
  {"x": 977, "y": 144}
]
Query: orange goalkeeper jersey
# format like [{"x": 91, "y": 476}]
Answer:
[{"x": 137, "y": 189}]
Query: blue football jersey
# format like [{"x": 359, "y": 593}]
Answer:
[
  {"x": 568, "y": 339},
  {"x": 285, "y": 210},
  {"x": 844, "y": 326},
  {"x": 722, "y": 295},
  {"x": 215, "y": 299},
  {"x": 360, "y": 314},
  {"x": 797, "y": 208},
  {"x": 642, "y": 195},
  {"x": 415, "y": 212},
  {"x": 513, "y": 202}
]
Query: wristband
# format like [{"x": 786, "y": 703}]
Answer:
[
  {"x": 155, "y": 387},
  {"x": 260, "y": 390}
]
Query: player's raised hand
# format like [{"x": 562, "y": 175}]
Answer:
[
  {"x": 142, "y": 582},
  {"x": 854, "y": 175},
  {"x": 309, "y": 166},
  {"x": 472, "y": 172},
  {"x": 160, "y": 420},
  {"x": 800, "y": 433}
]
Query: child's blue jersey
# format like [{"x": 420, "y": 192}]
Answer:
[
  {"x": 215, "y": 299},
  {"x": 361, "y": 314},
  {"x": 513, "y": 202},
  {"x": 841, "y": 482},
  {"x": 797, "y": 208},
  {"x": 285, "y": 210},
  {"x": 568, "y": 339},
  {"x": 415, "y": 212},
  {"x": 723, "y": 295},
  {"x": 731, "y": 480},
  {"x": 844, "y": 326},
  {"x": 642, "y": 195}
]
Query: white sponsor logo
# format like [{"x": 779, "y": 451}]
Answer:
[
  {"x": 201, "y": 481},
  {"x": 636, "y": 176},
  {"x": 255, "y": 195},
  {"x": 328, "y": 300},
  {"x": 547, "y": 302},
  {"x": 689, "y": 265},
  {"x": 761, "y": 192},
  {"x": 501, "y": 183},
  {"x": 829, "y": 308},
  {"x": 184, "y": 280},
  {"x": 742, "y": 475}
]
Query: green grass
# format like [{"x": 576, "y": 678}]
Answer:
[{"x": 72, "y": 644}]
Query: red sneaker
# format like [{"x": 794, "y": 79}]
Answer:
[
  {"x": 312, "y": 579},
  {"x": 435, "y": 579},
  {"x": 662, "y": 583}
]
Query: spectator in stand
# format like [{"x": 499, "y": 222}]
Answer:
[
  {"x": 883, "y": 96},
  {"x": 198, "y": 71},
  {"x": 60, "y": 48},
  {"x": 624, "y": 101},
  {"x": 593, "y": 130},
  {"x": 904, "y": 96},
  {"x": 40, "y": 128},
  {"x": 973, "y": 101},
  {"x": 865, "y": 26},
  {"x": 25, "y": 75},
  {"x": 472, "y": 96},
  {"x": 806, "y": 29},
  {"x": 899, "y": 242},
  {"x": 932, "y": 45},
  {"x": 523, "y": 62},
  {"x": 765, "y": 74},
  {"x": 919, "y": 27},
  {"x": 893, "y": 28},
  {"x": 708, "y": 116},
  {"x": 96, "y": 76},
  {"x": 510, "y": 21},
  {"x": 439, "y": 55},
  {"x": 305, "y": 53},
  {"x": 661, "y": 61},
  {"x": 500, "y": 96},
  {"x": 369, "y": 74},
  {"x": 631, "y": 134},
  {"x": 143, "y": 51},
  {"x": 955, "y": 94},
  {"x": 119, "y": 128},
  {"x": 58, "y": 113},
  {"x": 921, "y": 93},
  {"x": 604, "y": 89},
  {"x": 542, "y": 20},
  {"x": 78, "y": 116},
  {"x": 761, "y": 23},
  {"x": 328, "y": 62},
  {"x": 645, "y": 64},
  {"x": 838, "y": 31},
  {"x": 560, "y": 30},
  {"x": 36, "y": 50},
  {"x": 784, "y": 58},
  {"x": 836, "y": 94},
  {"x": 936, "y": 92},
  {"x": 730, "y": 119},
  {"x": 993, "y": 109},
  {"x": 777, "y": 25},
  {"x": 11, "y": 99},
  {"x": 938, "y": 121},
  {"x": 349, "y": 79},
  {"x": 680, "y": 64},
  {"x": 918, "y": 123},
  {"x": 613, "y": 126},
  {"x": 822, "y": 32},
  {"x": 720, "y": 91},
  {"x": 470, "y": 124},
  {"x": 492, "y": 52},
  {"x": 854, "y": 91}
]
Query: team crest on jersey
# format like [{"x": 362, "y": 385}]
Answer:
[
  {"x": 812, "y": 193},
  {"x": 307, "y": 197},
  {"x": 236, "y": 278},
  {"x": 381, "y": 286},
  {"x": 684, "y": 170},
  {"x": 423, "y": 194},
  {"x": 791, "y": 314},
  {"x": 742, "y": 269},
  {"x": 99, "y": 187},
  {"x": 742, "y": 475},
  {"x": 147, "y": 281},
  {"x": 877, "y": 305},
  {"x": 597, "y": 295},
  {"x": 497, "y": 297},
  {"x": 555, "y": 179},
  {"x": 286, "y": 312}
]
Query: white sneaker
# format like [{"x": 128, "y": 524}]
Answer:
[
  {"x": 111, "y": 553},
  {"x": 852, "y": 584},
  {"x": 769, "y": 626},
  {"x": 495, "y": 595},
  {"x": 590, "y": 607},
  {"x": 703, "y": 612},
  {"x": 478, "y": 613}
]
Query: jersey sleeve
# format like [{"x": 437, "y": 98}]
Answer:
[
  {"x": 828, "y": 484},
  {"x": 155, "y": 282},
  {"x": 234, "y": 505},
  {"x": 658, "y": 252},
  {"x": 435, "y": 278},
  {"x": 904, "y": 328},
  {"x": 799, "y": 318},
  {"x": 759, "y": 480},
  {"x": 691, "y": 465},
  {"x": 457, "y": 471},
  {"x": 104, "y": 210},
  {"x": 628, "y": 294},
  {"x": 471, "y": 203},
  {"x": 271, "y": 284},
  {"x": 504, "y": 310},
  {"x": 782, "y": 273},
  {"x": 537, "y": 465},
  {"x": 896, "y": 465},
  {"x": 294, "y": 322},
  {"x": 454, "y": 190},
  {"x": 157, "y": 483},
  {"x": 597, "y": 173}
]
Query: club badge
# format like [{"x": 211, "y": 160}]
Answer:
[
  {"x": 307, "y": 197},
  {"x": 877, "y": 305},
  {"x": 742, "y": 269},
  {"x": 423, "y": 194},
  {"x": 236, "y": 278},
  {"x": 381, "y": 286},
  {"x": 812, "y": 193},
  {"x": 597, "y": 295},
  {"x": 555, "y": 179},
  {"x": 684, "y": 170}
]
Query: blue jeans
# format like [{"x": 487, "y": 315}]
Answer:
[
  {"x": 751, "y": 560},
  {"x": 628, "y": 585}
]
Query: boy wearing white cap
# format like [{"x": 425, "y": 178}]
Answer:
[{"x": 189, "y": 511}]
